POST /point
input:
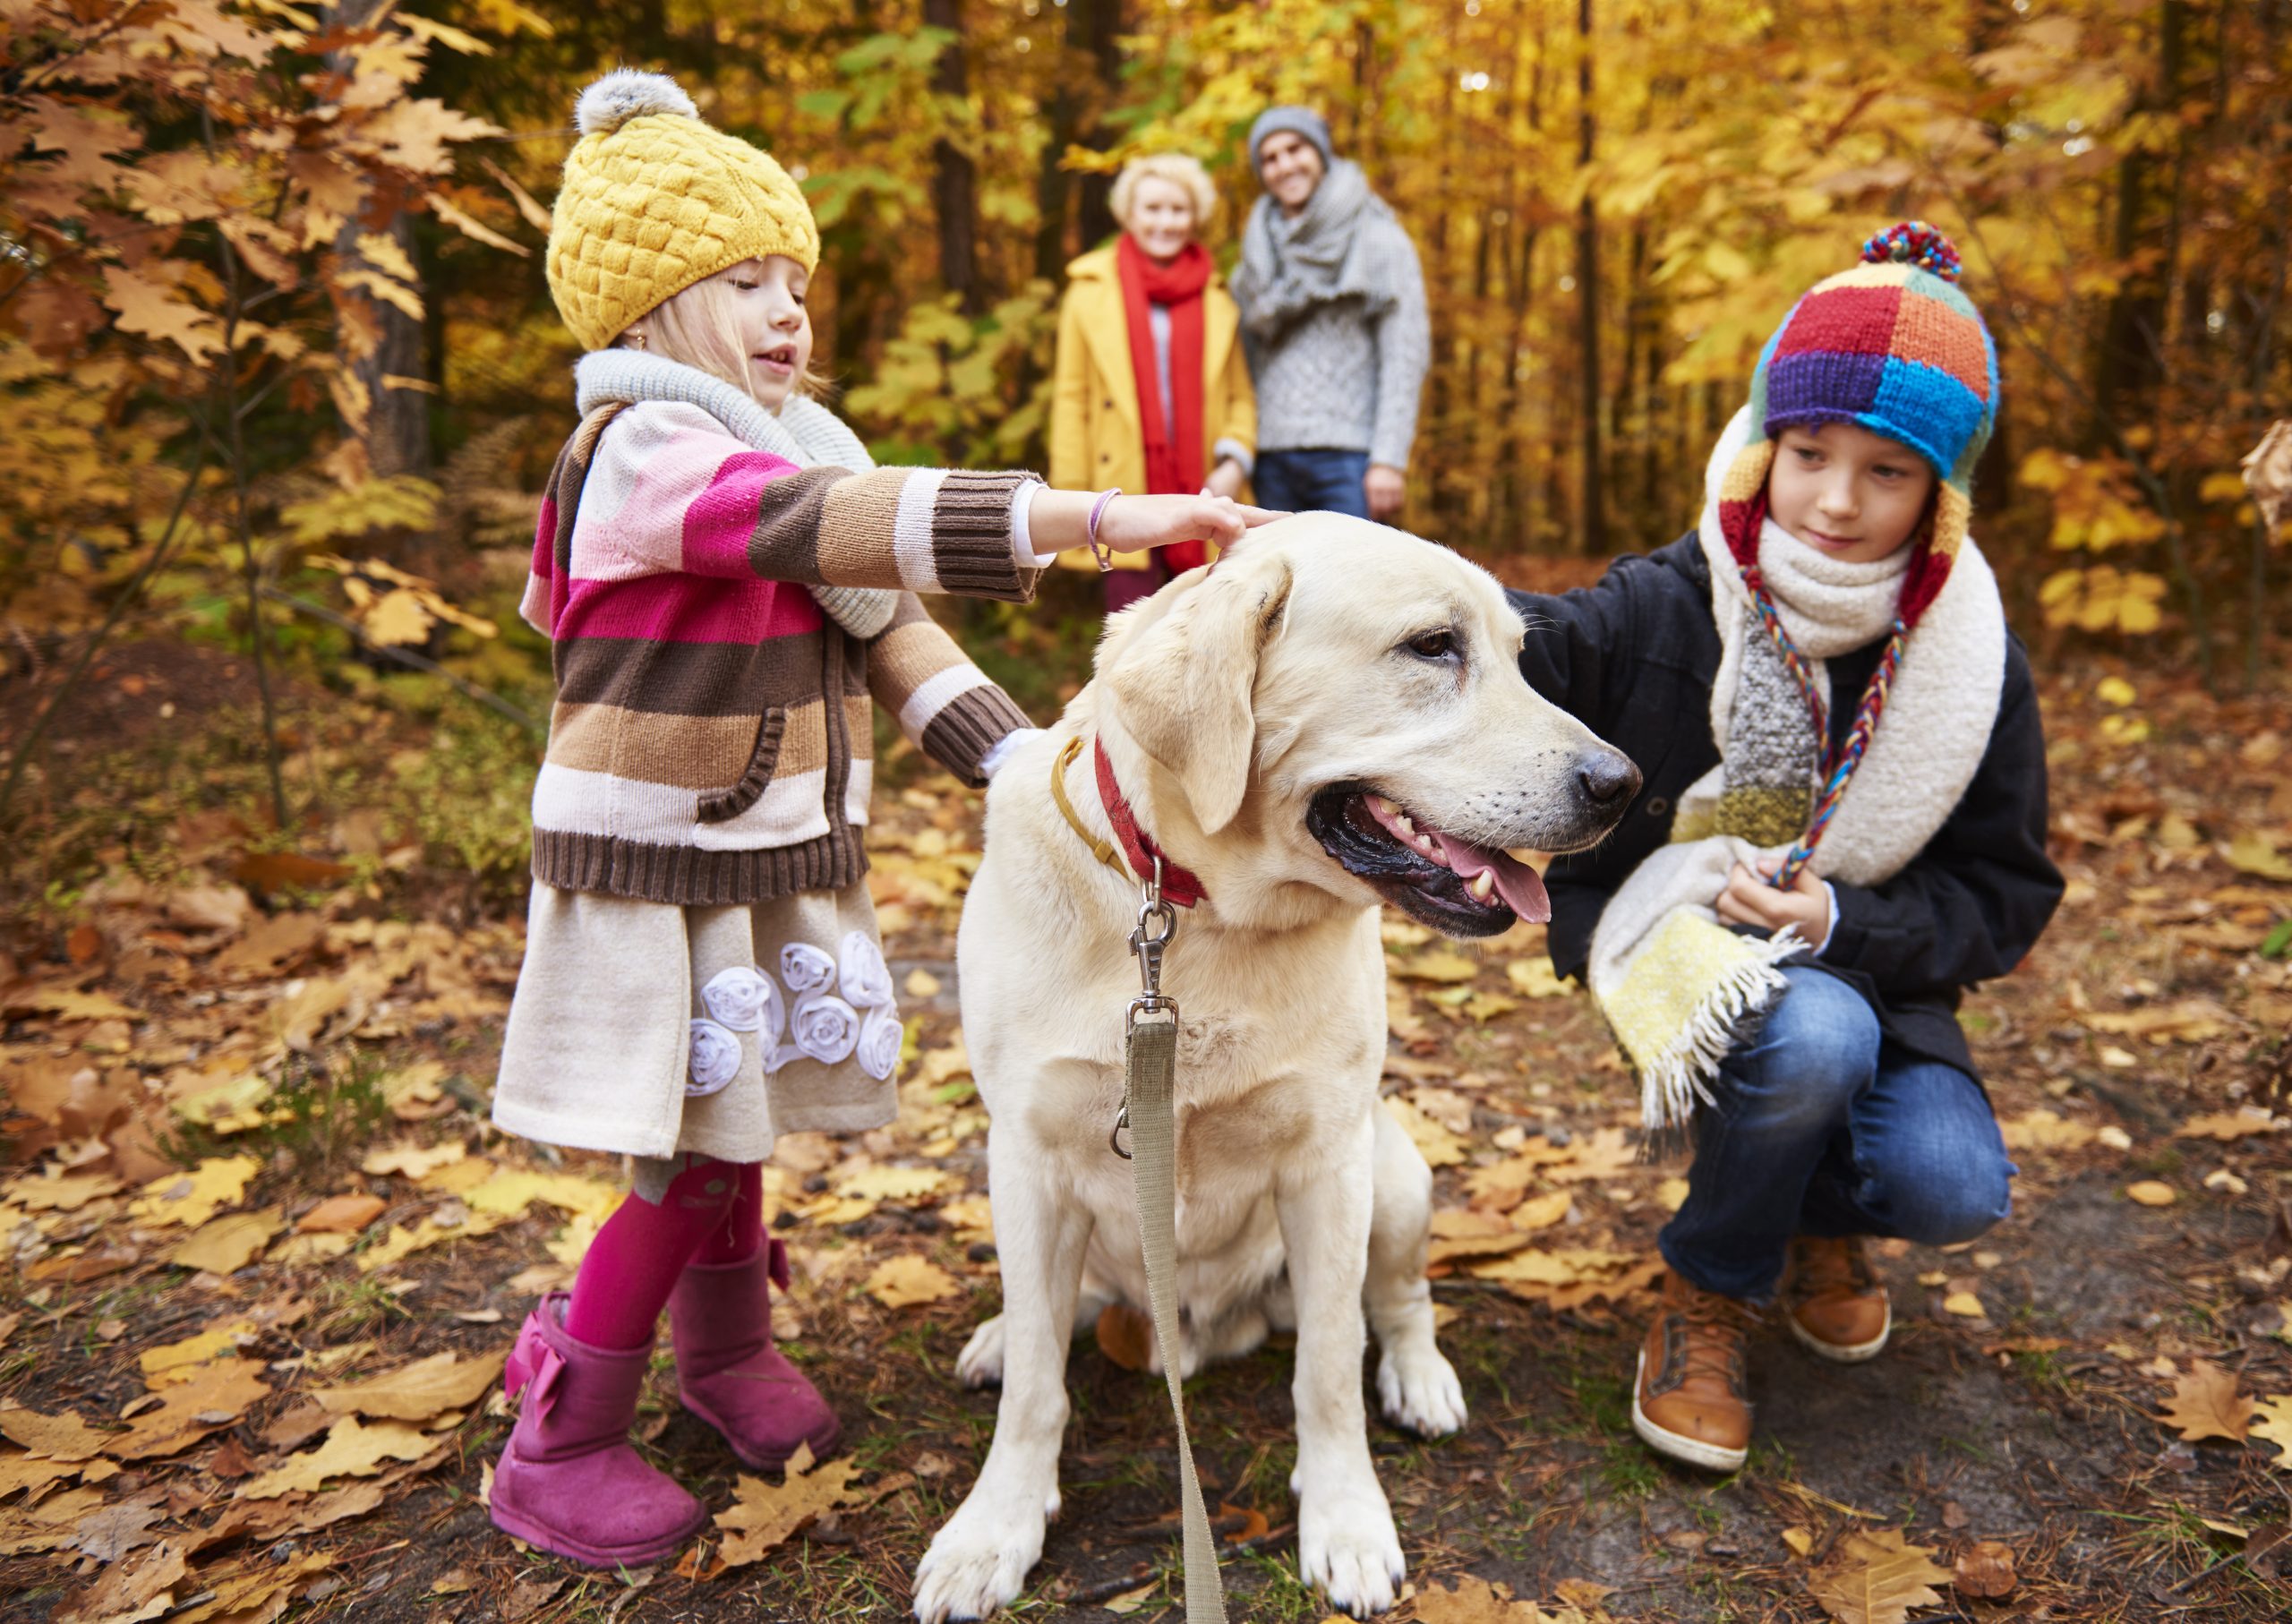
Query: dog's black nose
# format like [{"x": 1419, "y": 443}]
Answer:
[{"x": 1607, "y": 777}]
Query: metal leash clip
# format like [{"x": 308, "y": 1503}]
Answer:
[{"x": 1147, "y": 946}]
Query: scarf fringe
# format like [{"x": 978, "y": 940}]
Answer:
[{"x": 1672, "y": 1083}]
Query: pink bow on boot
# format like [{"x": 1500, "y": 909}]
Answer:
[
  {"x": 568, "y": 1480},
  {"x": 728, "y": 1372}
]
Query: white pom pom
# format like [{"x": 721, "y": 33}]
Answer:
[{"x": 628, "y": 93}]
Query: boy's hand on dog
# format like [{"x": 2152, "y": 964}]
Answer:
[{"x": 1750, "y": 898}]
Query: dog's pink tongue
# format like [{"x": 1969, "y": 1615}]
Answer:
[{"x": 1518, "y": 884}]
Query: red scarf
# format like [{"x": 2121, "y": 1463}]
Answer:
[{"x": 1173, "y": 451}]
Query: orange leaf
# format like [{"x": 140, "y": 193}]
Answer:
[{"x": 2206, "y": 1404}]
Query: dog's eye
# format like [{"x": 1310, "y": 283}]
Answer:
[{"x": 1433, "y": 644}]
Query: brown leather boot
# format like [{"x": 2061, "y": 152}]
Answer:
[
  {"x": 1834, "y": 1299},
  {"x": 1692, "y": 1401}
]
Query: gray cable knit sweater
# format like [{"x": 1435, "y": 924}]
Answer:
[{"x": 1334, "y": 323}]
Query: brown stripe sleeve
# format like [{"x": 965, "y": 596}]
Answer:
[
  {"x": 971, "y": 537},
  {"x": 971, "y": 725}
]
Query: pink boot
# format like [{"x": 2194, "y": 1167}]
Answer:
[
  {"x": 568, "y": 1480},
  {"x": 729, "y": 1373}
]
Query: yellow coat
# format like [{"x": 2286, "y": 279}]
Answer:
[{"x": 1096, "y": 437}]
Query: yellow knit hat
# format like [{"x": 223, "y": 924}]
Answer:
[{"x": 654, "y": 200}]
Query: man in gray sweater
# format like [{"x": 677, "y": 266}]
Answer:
[{"x": 1333, "y": 323}]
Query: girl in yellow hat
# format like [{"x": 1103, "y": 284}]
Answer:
[{"x": 729, "y": 586}]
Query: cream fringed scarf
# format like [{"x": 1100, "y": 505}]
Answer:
[{"x": 1679, "y": 987}]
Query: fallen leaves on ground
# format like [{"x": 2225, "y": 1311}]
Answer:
[
  {"x": 351, "y": 1448},
  {"x": 420, "y": 1391},
  {"x": 765, "y": 1515},
  {"x": 1877, "y": 1578},
  {"x": 907, "y": 1280},
  {"x": 1984, "y": 1569},
  {"x": 2207, "y": 1402}
]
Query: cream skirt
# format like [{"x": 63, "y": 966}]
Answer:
[{"x": 654, "y": 1029}]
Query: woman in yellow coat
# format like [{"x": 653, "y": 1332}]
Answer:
[{"x": 1152, "y": 393}]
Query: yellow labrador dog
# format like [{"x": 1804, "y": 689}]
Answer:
[{"x": 1332, "y": 717}]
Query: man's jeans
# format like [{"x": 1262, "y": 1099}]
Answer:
[
  {"x": 1311, "y": 482},
  {"x": 1823, "y": 1129}
]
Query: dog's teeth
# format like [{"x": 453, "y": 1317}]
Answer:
[
  {"x": 1485, "y": 883},
  {"x": 1406, "y": 828},
  {"x": 1379, "y": 804}
]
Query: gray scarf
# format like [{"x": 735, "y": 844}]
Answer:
[
  {"x": 804, "y": 432},
  {"x": 1343, "y": 247}
]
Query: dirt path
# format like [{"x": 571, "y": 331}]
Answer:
[{"x": 2019, "y": 1403}]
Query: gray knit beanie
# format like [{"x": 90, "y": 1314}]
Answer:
[{"x": 1296, "y": 121}]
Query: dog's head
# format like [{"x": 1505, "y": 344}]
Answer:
[{"x": 1338, "y": 706}]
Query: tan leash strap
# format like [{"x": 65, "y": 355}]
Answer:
[{"x": 1149, "y": 1056}]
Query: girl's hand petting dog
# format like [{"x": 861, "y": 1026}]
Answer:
[
  {"x": 1751, "y": 899},
  {"x": 1060, "y": 519}
]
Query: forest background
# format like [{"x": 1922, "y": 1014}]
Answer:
[{"x": 271, "y": 291}]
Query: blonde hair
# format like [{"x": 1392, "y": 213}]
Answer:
[
  {"x": 1181, "y": 170},
  {"x": 699, "y": 328}
]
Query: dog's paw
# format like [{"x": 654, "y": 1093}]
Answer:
[
  {"x": 1418, "y": 1389},
  {"x": 978, "y": 1562},
  {"x": 1348, "y": 1550},
  {"x": 981, "y": 1364}
]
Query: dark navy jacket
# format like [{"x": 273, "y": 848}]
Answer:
[{"x": 1634, "y": 658}]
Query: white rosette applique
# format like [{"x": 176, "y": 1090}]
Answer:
[
  {"x": 823, "y": 1027},
  {"x": 806, "y": 969},
  {"x": 715, "y": 1058},
  {"x": 864, "y": 978},
  {"x": 880, "y": 1040},
  {"x": 746, "y": 1000}
]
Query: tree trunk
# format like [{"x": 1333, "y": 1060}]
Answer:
[
  {"x": 954, "y": 179},
  {"x": 2130, "y": 368},
  {"x": 1593, "y": 535},
  {"x": 1098, "y": 26},
  {"x": 397, "y": 437}
]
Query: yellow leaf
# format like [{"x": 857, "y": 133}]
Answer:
[
  {"x": 208, "y": 1398},
  {"x": 907, "y": 1280},
  {"x": 2043, "y": 1130},
  {"x": 1964, "y": 1303},
  {"x": 2115, "y": 690},
  {"x": 765, "y": 1515},
  {"x": 419, "y": 1391},
  {"x": 175, "y": 1361},
  {"x": 1877, "y": 1578},
  {"x": 895, "y": 1184},
  {"x": 2206, "y": 1404},
  {"x": 190, "y": 1199},
  {"x": 2253, "y": 853},
  {"x": 2238, "y": 1124},
  {"x": 1535, "y": 979},
  {"x": 227, "y": 1244},
  {"x": 1438, "y": 1146},
  {"x": 1441, "y": 964},
  {"x": 415, "y": 1161},
  {"x": 397, "y": 618},
  {"x": 1475, "y": 1601},
  {"x": 2274, "y": 1425},
  {"x": 2152, "y": 1192},
  {"x": 352, "y": 1449},
  {"x": 1131, "y": 1600}
]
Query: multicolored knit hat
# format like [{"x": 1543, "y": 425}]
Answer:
[
  {"x": 655, "y": 200},
  {"x": 1893, "y": 347}
]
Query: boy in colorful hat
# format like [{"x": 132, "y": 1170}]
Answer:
[
  {"x": 1842, "y": 827},
  {"x": 729, "y": 586}
]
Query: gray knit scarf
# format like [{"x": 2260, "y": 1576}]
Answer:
[
  {"x": 1347, "y": 244},
  {"x": 804, "y": 432}
]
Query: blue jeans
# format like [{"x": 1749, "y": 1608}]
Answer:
[
  {"x": 1822, "y": 1128},
  {"x": 1311, "y": 482}
]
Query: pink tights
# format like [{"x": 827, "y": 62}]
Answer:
[{"x": 712, "y": 1213}]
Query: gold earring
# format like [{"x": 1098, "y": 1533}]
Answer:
[{"x": 640, "y": 340}]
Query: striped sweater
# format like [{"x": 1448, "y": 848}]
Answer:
[{"x": 712, "y": 737}]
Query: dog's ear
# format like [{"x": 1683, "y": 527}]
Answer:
[{"x": 1181, "y": 684}]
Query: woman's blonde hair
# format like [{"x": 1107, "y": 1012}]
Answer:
[
  {"x": 699, "y": 328},
  {"x": 1176, "y": 167}
]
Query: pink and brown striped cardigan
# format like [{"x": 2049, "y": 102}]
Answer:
[{"x": 713, "y": 739}]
